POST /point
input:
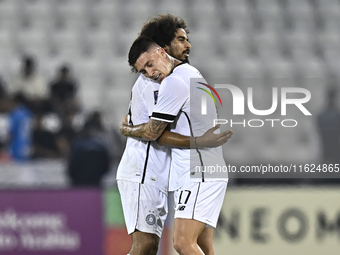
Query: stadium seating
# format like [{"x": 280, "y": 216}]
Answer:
[{"x": 241, "y": 38}]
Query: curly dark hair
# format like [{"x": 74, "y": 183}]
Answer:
[
  {"x": 139, "y": 46},
  {"x": 162, "y": 28}
]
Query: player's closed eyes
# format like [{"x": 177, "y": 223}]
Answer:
[{"x": 147, "y": 65}]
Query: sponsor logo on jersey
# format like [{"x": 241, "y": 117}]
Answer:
[{"x": 181, "y": 208}]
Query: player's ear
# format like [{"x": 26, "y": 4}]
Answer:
[
  {"x": 162, "y": 52},
  {"x": 166, "y": 48}
]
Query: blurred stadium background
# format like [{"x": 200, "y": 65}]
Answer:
[{"x": 265, "y": 43}]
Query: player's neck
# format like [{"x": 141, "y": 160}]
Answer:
[{"x": 175, "y": 63}]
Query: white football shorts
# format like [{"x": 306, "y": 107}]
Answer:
[
  {"x": 145, "y": 207},
  {"x": 201, "y": 201}
]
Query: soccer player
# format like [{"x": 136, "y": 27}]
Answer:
[
  {"x": 198, "y": 198},
  {"x": 143, "y": 172}
]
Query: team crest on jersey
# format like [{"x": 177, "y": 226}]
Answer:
[
  {"x": 155, "y": 96},
  {"x": 150, "y": 219}
]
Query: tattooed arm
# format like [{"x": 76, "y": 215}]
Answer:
[
  {"x": 154, "y": 130},
  {"x": 148, "y": 131}
]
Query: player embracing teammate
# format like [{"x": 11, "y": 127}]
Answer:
[{"x": 162, "y": 114}]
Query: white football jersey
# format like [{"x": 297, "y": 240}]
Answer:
[
  {"x": 142, "y": 161},
  {"x": 179, "y": 103}
]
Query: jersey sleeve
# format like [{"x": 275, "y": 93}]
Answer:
[
  {"x": 150, "y": 96},
  {"x": 172, "y": 95},
  {"x": 138, "y": 111}
]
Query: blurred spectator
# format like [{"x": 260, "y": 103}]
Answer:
[
  {"x": 63, "y": 92},
  {"x": 46, "y": 144},
  {"x": 3, "y": 92},
  {"x": 20, "y": 121},
  {"x": 67, "y": 133},
  {"x": 111, "y": 138},
  {"x": 95, "y": 122},
  {"x": 329, "y": 129},
  {"x": 89, "y": 159},
  {"x": 30, "y": 83},
  {"x": 5, "y": 103}
]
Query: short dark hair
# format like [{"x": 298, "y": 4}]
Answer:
[
  {"x": 139, "y": 46},
  {"x": 162, "y": 28}
]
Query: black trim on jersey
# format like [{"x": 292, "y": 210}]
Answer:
[
  {"x": 130, "y": 114},
  {"x": 146, "y": 161},
  {"x": 182, "y": 63},
  {"x": 199, "y": 153},
  {"x": 198, "y": 190},
  {"x": 163, "y": 116},
  {"x": 186, "y": 62}
]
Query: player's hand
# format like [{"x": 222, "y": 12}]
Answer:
[
  {"x": 124, "y": 125},
  {"x": 126, "y": 120},
  {"x": 210, "y": 140}
]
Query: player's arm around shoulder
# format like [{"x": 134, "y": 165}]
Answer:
[
  {"x": 208, "y": 140},
  {"x": 148, "y": 131}
]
